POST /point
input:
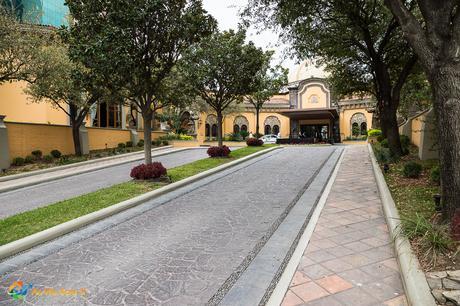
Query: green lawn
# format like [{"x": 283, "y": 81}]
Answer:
[{"x": 30, "y": 222}]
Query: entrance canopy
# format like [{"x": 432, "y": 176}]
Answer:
[{"x": 300, "y": 114}]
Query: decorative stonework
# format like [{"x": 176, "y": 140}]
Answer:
[
  {"x": 272, "y": 121},
  {"x": 445, "y": 286},
  {"x": 358, "y": 118},
  {"x": 211, "y": 119},
  {"x": 240, "y": 121}
]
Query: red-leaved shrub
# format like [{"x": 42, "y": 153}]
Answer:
[
  {"x": 148, "y": 172},
  {"x": 254, "y": 142},
  {"x": 223, "y": 151}
]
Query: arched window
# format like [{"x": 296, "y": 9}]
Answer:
[
  {"x": 214, "y": 130},
  {"x": 364, "y": 128},
  {"x": 273, "y": 124},
  {"x": 211, "y": 126},
  {"x": 267, "y": 130},
  {"x": 355, "y": 129},
  {"x": 241, "y": 122},
  {"x": 358, "y": 124},
  {"x": 207, "y": 130},
  {"x": 244, "y": 127},
  {"x": 236, "y": 129}
]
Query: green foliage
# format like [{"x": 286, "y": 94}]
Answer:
[
  {"x": 48, "y": 158},
  {"x": 244, "y": 134},
  {"x": 121, "y": 145},
  {"x": 165, "y": 143},
  {"x": 435, "y": 175},
  {"x": 383, "y": 155},
  {"x": 37, "y": 154},
  {"x": 221, "y": 69},
  {"x": 384, "y": 143},
  {"x": 412, "y": 169},
  {"x": 374, "y": 132},
  {"x": 129, "y": 144},
  {"x": 405, "y": 144},
  {"x": 135, "y": 45},
  {"x": 434, "y": 238},
  {"x": 29, "y": 159},
  {"x": 18, "y": 161},
  {"x": 56, "y": 153},
  {"x": 380, "y": 138},
  {"x": 355, "y": 131},
  {"x": 140, "y": 143}
]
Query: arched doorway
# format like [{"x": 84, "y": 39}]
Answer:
[
  {"x": 272, "y": 125},
  {"x": 358, "y": 124},
  {"x": 236, "y": 129},
  {"x": 241, "y": 122},
  {"x": 211, "y": 126}
]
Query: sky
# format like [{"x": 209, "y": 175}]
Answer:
[{"x": 227, "y": 14}]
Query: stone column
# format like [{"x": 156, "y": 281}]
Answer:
[
  {"x": 134, "y": 136},
  {"x": 84, "y": 140},
  {"x": 428, "y": 148},
  {"x": 4, "y": 147},
  {"x": 123, "y": 117}
]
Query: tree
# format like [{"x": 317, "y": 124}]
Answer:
[
  {"x": 358, "y": 41},
  {"x": 221, "y": 69},
  {"x": 135, "y": 45},
  {"x": 67, "y": 85},
  {"x": 18, "y": 46},
  {"x": 268, "y": 82},
  {"x": 434, "y": 35}
]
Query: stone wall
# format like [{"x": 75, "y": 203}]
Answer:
[{"x": 445, "y": 286}]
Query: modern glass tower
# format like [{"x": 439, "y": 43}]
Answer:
[{"x": 44, "y": 12}]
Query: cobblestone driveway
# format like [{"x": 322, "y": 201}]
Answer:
[
  {"x": 179, "y": 253},
  {"x": 28, "y": 198}
]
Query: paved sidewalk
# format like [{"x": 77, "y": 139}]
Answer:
[{"x": 349, "y": 259}]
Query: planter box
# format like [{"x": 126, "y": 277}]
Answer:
[{"x": 372, "y": 139}]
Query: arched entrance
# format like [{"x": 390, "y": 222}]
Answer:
[
  {"x": 272, "y": 125},
  {"x": 358, "y": 124},
  {"x": 211, "y": 126}
]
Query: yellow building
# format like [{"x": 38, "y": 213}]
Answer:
[{"x": 304, "y": 111}]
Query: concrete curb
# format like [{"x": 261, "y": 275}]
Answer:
[
  {"x": 281, "y": 288},
  {"x": 416, "y": 286},
  {"x": 28, "y": 242},
  {"x": 83, "y": 163},
  {"x": 95, "y": 168}
]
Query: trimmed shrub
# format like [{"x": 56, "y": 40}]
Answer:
[
  {"x": 244, "y": 134},
  {"x": 435, "y": 175},
  {"x": 56, "y": 153},
  {"x": 37, "y": 154},
  {"x": 412, "y": 169},
  {"x": 140, "y": 143},
  {"x": 185, "y": 137},
  {"x": 18, "y": 161},
  {"x": 405, "y": 144},
  {"x": 382, "y": 155},
  {"x": 121, "y": 145},
  {"x": 374, "y": 132},
  {"x": 129, "y": 144},
  {"x": 148, "y": 172},
  {"x": 380, "y": 138},
  {"x": 48, "y": 158},
  {"x": 384, "y": 143},
  {"x": 30, "y": 159},
  {"x": 254, "y": 142},
  {"x": 223, "y": 151},
  {"x": 158, "y": 142},
  {"x": 165, "y": 142}
]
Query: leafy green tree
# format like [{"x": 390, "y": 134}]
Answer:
[
  {"x": 135, "y": 44},
  {"x": 434, "y": 35},
  {"x": 358, "y": 41},
  {"x": 66, "y": 85},
  {"x": 18, "y": 45},
  {"x": 221, "y": 69},
  {"x": 268, "y": 82}
]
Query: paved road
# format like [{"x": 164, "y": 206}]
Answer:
[
  {"x": 180, "y": 252},
  {"x": 16, "y": 201}
]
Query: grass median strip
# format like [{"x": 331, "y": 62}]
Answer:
[{"x": 33, "y": 221}]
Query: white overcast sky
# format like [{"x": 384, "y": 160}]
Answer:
[{"x": 227, "y": 14}]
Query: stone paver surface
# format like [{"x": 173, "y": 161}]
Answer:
[
  {"x": 349, "y": 259},
  {"x": 27, "y": 198},
  {"x": 179, "y": 253}
]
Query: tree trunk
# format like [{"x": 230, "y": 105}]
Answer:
[
  {"x": 148, "y": 119},
  {"x": 76, "y": 139},
  {"x": 446, "y": 90},
  {"x": 390, "y": 129},
  {"x": 219, "y": 128},
  {"x": 257, "y": 122}
]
